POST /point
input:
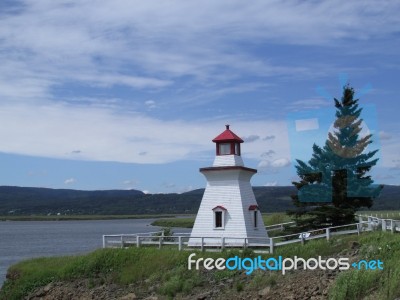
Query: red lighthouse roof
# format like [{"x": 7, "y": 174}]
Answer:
[{"x": 227, "y": 136}]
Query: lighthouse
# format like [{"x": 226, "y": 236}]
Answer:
[{"x": 228, "y": 209}]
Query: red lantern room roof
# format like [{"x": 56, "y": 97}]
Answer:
[{"x": 227, "y": 136}]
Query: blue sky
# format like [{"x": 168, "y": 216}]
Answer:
[{"x": 129, "y": 94}]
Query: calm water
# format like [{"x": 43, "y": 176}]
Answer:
[{"x": 25, "y": 239}]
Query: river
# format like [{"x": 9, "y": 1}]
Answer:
[{"x": 21, "y": 240}]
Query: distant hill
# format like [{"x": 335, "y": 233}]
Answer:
[{"x": 43, "y": 201}]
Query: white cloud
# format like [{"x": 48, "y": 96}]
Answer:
[
  {"x": 307, "y": 124},
  {"x": 153, "y": 46},
  {"x": 150, "y": 104},
  {"x": 273, "y": 183},
  {"x": 58, "y": 130},
  {"x": 69, "y": 181},
  {"x": 274, "y": 164},
  {"x": 280, "y": 163},
  {"x": 264, "y": 164}
]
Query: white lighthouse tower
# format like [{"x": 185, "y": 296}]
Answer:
[{"x": 228, "y": 209}]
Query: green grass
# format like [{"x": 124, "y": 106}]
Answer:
[
  {"x": 367, "y": 284},
  {"x": 175, "y": 222},
  {"x": 122, "y": 266},
  {"x": 276, "y": 218}
]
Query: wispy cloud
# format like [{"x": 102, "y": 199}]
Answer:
[
  {"x": 269, "y": 137},
  {"x": 268, "y": 153},
  {"x": 69, "y": 181},
  {"x": 251, "y": 138},
  {"x": 151, "y": 45}
]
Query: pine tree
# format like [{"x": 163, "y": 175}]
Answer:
[{"x": 334, "y": 183}]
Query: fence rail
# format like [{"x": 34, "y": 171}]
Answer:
[
  {"x": 185, "y": 241},
  {"x": 280, "y": 226}
]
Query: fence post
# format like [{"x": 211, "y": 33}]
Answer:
[
  {"x": 302, "y": 238},
  {"x": 392, "y": 225},
  {"x": 328, "y": 233},
  {"x": 222, "y": 243},
  {"x": 180, "y": 243},
  {"x": 137, "y": 241},
  {"x": 202, "y": 244},
  {"x": 271, "y": 245},
  {"x": 358, "y": 228},
  {"x": 122, "y": 241},
  {"x": 104, "y": 241},
  {"x": 160, "y": 240},
  {"x": 383, "y": 225},
  {"x": 360, "y": 223}
]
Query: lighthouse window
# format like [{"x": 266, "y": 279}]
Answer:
[
  {"x": 255, "y": 219},
  {"x": 218, "y": 219},
  {"x": 224, "y": 149},
  {"x": 237, "y": 149}
]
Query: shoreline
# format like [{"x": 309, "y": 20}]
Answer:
[{"x": 87, "y": 217}]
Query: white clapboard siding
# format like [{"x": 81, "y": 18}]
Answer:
[
  {"x": 231, "y": 189},
  {"x": 228, "y": 160}
]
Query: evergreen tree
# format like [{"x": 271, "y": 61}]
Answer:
[{"x": 334, "y": 183}]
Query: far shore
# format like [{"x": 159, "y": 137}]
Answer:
[{"x": 86, "y": 217}]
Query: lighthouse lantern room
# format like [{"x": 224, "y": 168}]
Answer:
[{"x": 228, "y": 209}]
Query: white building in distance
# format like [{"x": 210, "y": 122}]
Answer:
[{"x": 229, "y": 208}]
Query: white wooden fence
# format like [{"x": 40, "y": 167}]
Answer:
[{"x": 268, "y": 244}]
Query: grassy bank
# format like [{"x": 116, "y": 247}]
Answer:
[
  {"x": 81, "y": 217},
  {"x": 169, "y": 220},
  {"x": 188, "y": 222},
  {"x": 167, "y": 269},
  {"x": 388, "y": 214},
  {"x": 367, "y": 284}
]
